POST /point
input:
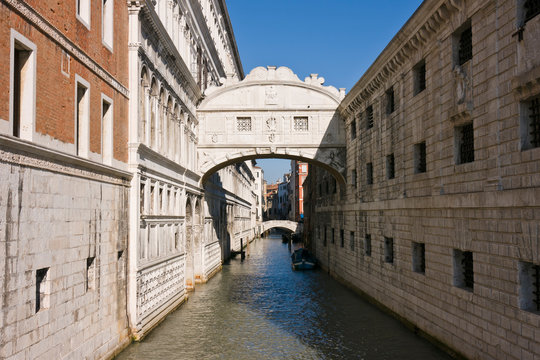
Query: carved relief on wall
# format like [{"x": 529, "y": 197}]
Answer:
[
  {"x": 462, "y": 84},
  {"x": 271, "y": 124},
  {"x": 271, "y": 96}
]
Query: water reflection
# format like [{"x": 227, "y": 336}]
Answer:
[{"x": 261, "y": 309}]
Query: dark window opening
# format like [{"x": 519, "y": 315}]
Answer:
[
  {"x": 369, "y": 173},
  {"x": 41, "y": 289},
  {"x": 529, "y": 286},
  {"x": 419, "y": 257},
  {"x": 420, "y": 158},
  {"x": 465, "y": 136},
  {"x": 463, "y": 270},
  {"x": 367, "y": 245},
  {"x": 325, "y": 236},
  {"x": 388, "y": 250},
  {"x": 534, "y": 122},
  {"x": 390, "y": 101},
  {"x": 332, "y": 238},
  {"x": 390, "y": 167},
  {"x": 353, "y": 178},
  {"x": 369, "y": 117},
  {"x": 351, "y": 236},
  {"x": 353, "y": 129},
  {"x": 532, "y": 8},
  {"x": 465, "y": 46},
  {"x": 342, "y": 238},
  {"x": 420, "y": 77}
]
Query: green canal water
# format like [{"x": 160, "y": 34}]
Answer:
[{"x": 261, "y": 309}]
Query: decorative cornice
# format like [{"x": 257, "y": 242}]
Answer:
[
  {"x": 48, "y": 29},
  {"x": 417, "y": 31}
]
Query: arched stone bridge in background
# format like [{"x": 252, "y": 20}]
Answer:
[
  {"x": 293, "y": 226},
  {"x": 272, "y": 114}
]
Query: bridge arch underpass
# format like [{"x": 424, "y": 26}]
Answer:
[{"x": 272, "y": 114}]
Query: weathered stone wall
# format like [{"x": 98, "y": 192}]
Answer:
[
  {"x": 485, "y": 206},
  {"x": 64, "y": 215}
]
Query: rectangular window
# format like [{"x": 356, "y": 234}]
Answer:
[
  {"x": 107, "y": 23},
  {"x": 83, "y": 12},
  {"x": 463, "y": 269},
  {"x": 82, "y": 117},
  {"x": 529, "y": 286},
  {"x": 465, "y": 46},
  {"x": 23, "y": 83},
  {"x": 353, "y": 129},
  {"x": 351, "y": 237},
  {"x": 388, "y": 250},
  {"x": 420, "y": 158},
  {"x": 419, "y": 257},
  {"x": 419, "y": 77},
  {"x": 390, "y": 167},
  {"x": 141, "y": 196},
  {"x": 107, "y": 129},
  {"x": 530, "y": 124},
  {"x": 532, "y": 8},
  {"x": 369, "y": 117},
  {"x": 91, "y": 273},
  {"x": 43, "y": 289},
  {"x": 300, "y": 123},
  {"x": 369, "y": 173},
  {"x": 152, "y": 199},
  {"x": 464, "y": 140},
  {"x": 325, "y": 236},
  {"x": 353, "y": 177},
  {"x": 243, "y": 124},
  {"x": 342, "y": 238},
  {"x": 390, "y": 101},
  {"x": 332, "y": 238},
  {"x": 367, "y": 245}
]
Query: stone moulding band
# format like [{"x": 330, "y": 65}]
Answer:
[
  {"x": 48, "y": 29},
  {"x": 21, "y": 152}
]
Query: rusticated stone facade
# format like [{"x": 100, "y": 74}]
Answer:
[{"x": 438, "y": 221}]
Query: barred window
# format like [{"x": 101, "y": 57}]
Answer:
[
  {"x": 300, "y": 124},
  {"x": 532, "y": 8},
  {"x": 243, "y": 124},
  {"x": 465, "y": 143},
  {"x": 530, "y": 124},
  {"x": 367, "y": 245},
  {"x": 389, "y": 250},
  {"x": 465, "y": 46},
  {"x": 369, "y": 117},
  {"x": 419, "y": 257},
  {"x": 353, "y": 129},
  {"x": 529, "y": 286}
]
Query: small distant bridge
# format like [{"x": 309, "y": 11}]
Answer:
[{"x": 282, "y": 224}]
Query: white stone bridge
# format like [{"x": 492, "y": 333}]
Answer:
[
  {"x": 271, "y": 114},
  {"x": 293, "y": 226}
]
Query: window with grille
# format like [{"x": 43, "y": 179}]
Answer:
[
  {"x": 388, "y": 250},
  {"x": 367, "y": 245},
  {"x": 369, "y": 173},
  {"x": 369, "y": 117},
  {"x": 390, "y": 101},
  {"x": 465, "y": 46},
  {"x": 463, "y": 270},
  {"x": 300, "y": 124},
  {"x": 243, "y": 124},
  {"x": 529, "y": 286},
  {"x": 351, "y": 236},
  {"x": 419, "y": 257},
  {"x": 353, "y": 129},
  {"x": 353, "y": 178},
  {"x": 464, "y": 143},
  {"x": 420, "y": 77},
  {"x": 530, "y": 124},
  {"x": 532, "y": 8},
  {"x": 342, "y": 237},
  {"x": 390, "y": 167},
  {"x": 420, "y": 158}
]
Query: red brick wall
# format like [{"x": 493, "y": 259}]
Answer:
[{"x": 55, "y": 93}]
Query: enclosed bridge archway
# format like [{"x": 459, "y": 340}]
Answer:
[{"x": 271, "y": 114}]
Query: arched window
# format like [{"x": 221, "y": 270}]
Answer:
[
  {"x": 162, "y": 116},
  {"x": 143, "y": 105},
  {"x": 169, "y": 128},
  {"x": 153, "y": 113}
]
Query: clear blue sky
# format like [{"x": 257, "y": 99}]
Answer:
[{"x": 337, "y": 39}]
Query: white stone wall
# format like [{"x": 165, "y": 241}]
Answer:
[
  {"x": 56, "y": 216},
  {"x": 487, "y": 206}
]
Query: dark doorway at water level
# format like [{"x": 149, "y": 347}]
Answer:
[{"x": 261, "y": 309}]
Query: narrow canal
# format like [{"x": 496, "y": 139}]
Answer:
[{"x": 261, "y": 309}]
